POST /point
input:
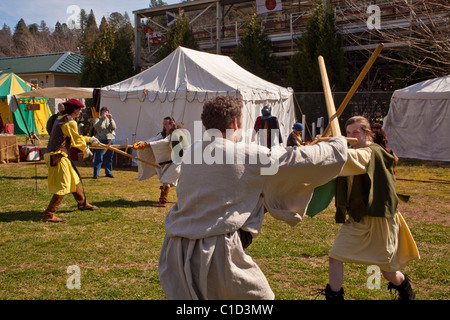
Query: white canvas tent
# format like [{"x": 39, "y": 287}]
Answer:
[
  {"x": 418, "y": 121},
  {"x": 178, "y": 85}
]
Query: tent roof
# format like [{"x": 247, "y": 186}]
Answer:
[
  {"x": 438, "y": 88},
  {"x": 193, "y": 74},
  {"x": 60, "y": 92},
  {"x": 11, "y": 83}
]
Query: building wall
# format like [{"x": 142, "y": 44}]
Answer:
[
  {"x": 47, "y": 80},
  {"x": 62, "y": 80},
  {"x": 43, "y": 80}
]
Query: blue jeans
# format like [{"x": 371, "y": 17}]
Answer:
[{"x": 106, "y": 159}]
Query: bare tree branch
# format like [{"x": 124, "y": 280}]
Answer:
[{"x": 417, "y": 32}]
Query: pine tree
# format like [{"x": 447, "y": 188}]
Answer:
[
  {"x": 254, "y": 52},
  {"x": 320, "y": 39},
  {"x": 6, "y": 42},
  {"x": 34, "y": 29},
  {"x": 96, "y": 69},
  {"x": 89, "y": 34},
  {"x": 122, "y": 52},
  {"x": 23, "y": 39},
  {"x": 109, "y": 58},
  {"x": 179, "y": 34},
  {"x": 83, "y": 20}
]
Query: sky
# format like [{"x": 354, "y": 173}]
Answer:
[{"x": 51, "y": 11}]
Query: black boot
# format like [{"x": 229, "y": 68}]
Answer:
[
  {"x": 405, "y": 291},
  {"x": 333, "y": 295}
]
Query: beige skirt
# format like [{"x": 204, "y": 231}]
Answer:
[
  {"x": 384, "y": 242},
  {"x": 213, "y": 268}
]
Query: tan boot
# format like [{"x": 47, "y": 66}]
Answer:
[
  {"x": 49, "y": 214},
  {"x": 79, "y": 197},
  {"x": 163, "y": 197}
]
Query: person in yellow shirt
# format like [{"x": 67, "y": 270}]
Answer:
[
  {"x": 62, "y": 175},
  {"x": 295, "y": 138}
]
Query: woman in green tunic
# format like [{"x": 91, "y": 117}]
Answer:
[{"x": 373, "y": 231}]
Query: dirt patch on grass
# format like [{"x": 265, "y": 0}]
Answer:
[{"x": 422, "y": 207}]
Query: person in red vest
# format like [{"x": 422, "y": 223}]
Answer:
[{"x": 268, "y": 129}]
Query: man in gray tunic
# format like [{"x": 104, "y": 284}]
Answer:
[{"x": 224, "y": 189}]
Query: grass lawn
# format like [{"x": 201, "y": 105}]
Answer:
[{"x": 117, "y": 247}]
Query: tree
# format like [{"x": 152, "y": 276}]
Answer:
[
  {"x": 43, "y": 28},
  {"x": 179, "y": 34},
  {"x": 157, "y": 3},
  {"x": 89, "y": 34},
  {"x": 96, "y": 69},
  {"x": 109, "y": 58},
  {"x": 64, "y": 38},
  {"x": 122, "y": 52},
  {"x": 417, "y": 33},
  {"x": 254, "y": 52},
  {"x": 34, "y": 29},
  {"x": 23, "y": 39},
  {"x": 6, "y": 42},
  {"x": 320, "y": 39},
  {"x": 83, "y": 20}
]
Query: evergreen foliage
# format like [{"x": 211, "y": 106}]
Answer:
[
  {"x": 320, "y": 39},
  {"x": 179, "y": 34},
  {"x": 107, "y": 50},
  {"x": 254, "y": 52},
  {"x": 22, "y": 37}
]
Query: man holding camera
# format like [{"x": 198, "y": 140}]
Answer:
[{"x": 105, "y": 127}]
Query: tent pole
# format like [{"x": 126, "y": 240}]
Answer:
[
  {"x": 23, "y": 118},
  {"x": 218, "y": 29}
]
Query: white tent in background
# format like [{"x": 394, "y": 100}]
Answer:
[
  {"x": 418, "y": 121},
  {"x": 178, "y": 85}
]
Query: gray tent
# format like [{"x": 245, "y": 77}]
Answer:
[{"x": 418, "y": 121}]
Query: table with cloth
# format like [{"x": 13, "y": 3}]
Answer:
[{"x": 9, "y": 149}]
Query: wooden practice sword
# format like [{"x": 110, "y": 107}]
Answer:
[{"x": 108, "y": 146}]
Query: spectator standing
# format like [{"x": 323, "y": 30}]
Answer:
[{"x": 105, "y": 127}]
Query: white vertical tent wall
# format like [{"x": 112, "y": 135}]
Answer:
[
  {"x": 418, "y": 121},
  {"x": 178, "y": 85}
]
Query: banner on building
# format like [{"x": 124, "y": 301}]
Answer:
[
  {"x": 152, "y": 36},
  {"x": 263, "y": 6},
  {"x": 172, "y": 15}
]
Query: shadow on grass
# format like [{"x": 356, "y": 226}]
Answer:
[
  {"x": 121, "y": 203},
  {"x": 31, "y": 215},
  {"x": 23, "y": 178},
  {"x": 36, "y": 215}
]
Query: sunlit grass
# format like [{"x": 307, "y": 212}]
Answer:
[{"x": 117, "y": 247}]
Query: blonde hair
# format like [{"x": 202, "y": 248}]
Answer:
[{"x": 363, "y": 123}]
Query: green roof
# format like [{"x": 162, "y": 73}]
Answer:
[{"x": 61, "y": 62}]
